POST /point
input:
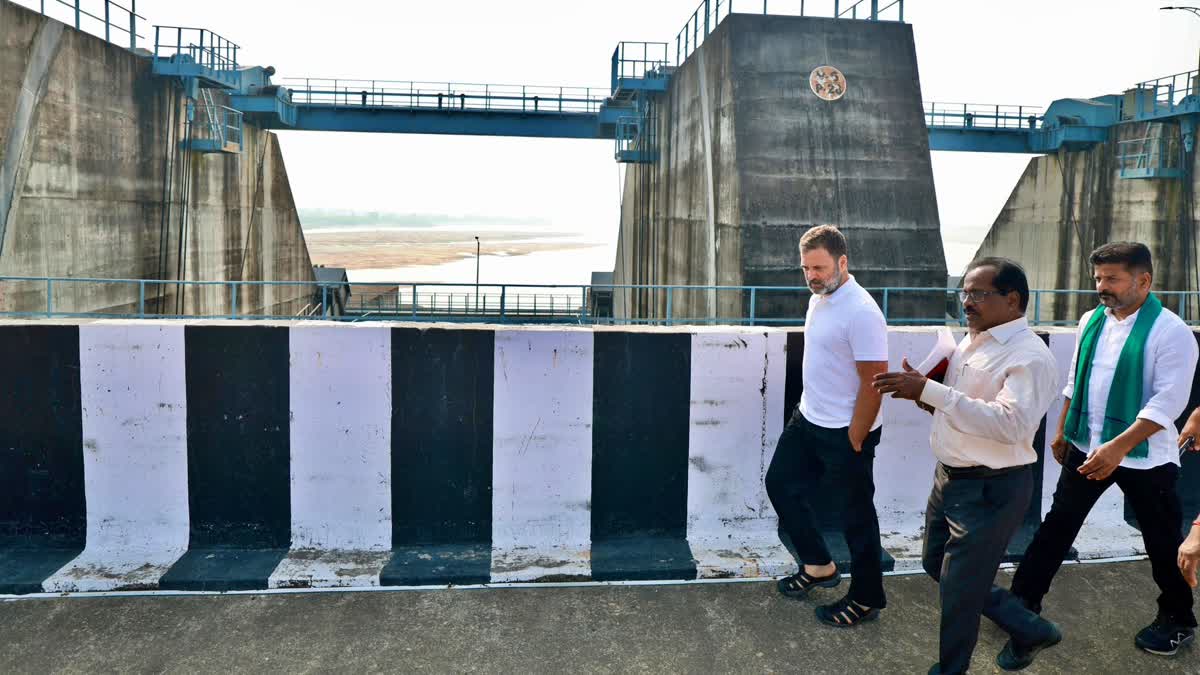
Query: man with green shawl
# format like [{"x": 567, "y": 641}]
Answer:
[{"x": 1129, "y": 381}]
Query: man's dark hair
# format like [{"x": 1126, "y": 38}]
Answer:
[
  {"x": 1133, "y": 255},
  {"x": 827, "y": 237},
  {"x": 1010, "y": 277}
]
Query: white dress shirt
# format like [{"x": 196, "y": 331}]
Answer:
[
  {"x": 996, "y": 391},
  {"x": 1168, "y": 367}
]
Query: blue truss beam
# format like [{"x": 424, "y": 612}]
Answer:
[
  {"x": 459, "y": 122},
  {"x": 1024, "y": 141},
  {"x": 271, "y": 111}
]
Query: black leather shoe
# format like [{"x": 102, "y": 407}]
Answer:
[{"x": 1016, "y": 656}]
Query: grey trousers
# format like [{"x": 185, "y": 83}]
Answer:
[{"x": 968, "y": 524}]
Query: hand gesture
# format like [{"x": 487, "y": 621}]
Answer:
[{"x": 907, "y": 384}]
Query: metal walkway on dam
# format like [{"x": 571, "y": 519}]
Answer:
[{"x": 203, "y": 60}]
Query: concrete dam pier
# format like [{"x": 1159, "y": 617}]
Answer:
[
  {"x": 749, "y": 157},
  {"x": 102, "y": 177},
  {"x": 1068, "y": 203}
]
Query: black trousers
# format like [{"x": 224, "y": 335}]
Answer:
[
  {"x": 1152, "y": 494},
  {"x": 968, "y": 524},
  {"x": 808, "y": 456}
]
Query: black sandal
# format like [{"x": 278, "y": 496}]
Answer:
[
  {"x": 846, "y": 613},
  {"x": 799, "y": 584}
]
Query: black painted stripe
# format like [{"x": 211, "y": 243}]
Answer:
[
  {"x": 828, "y": 520},
  {"x": 238, "y": 457},
  {"x": 641, "y": 410},
  {"x": 442, "y": 406},
  {"x": 1033, "y": 515},
  {"x": 43, "y": 519}
]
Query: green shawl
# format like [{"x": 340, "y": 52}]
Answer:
[{"x": 1125, "y": 394}]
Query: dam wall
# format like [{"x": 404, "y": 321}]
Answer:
[
  {"x": 749, "y": 157},
  {"x": 1066, "y": 204},
  {"x": 96, "y": 181}
]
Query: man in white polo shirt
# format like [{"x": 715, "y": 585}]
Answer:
[{"x": 831, "y": 438}]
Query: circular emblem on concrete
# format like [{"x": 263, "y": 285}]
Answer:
[{"x": 827, "y": 83}]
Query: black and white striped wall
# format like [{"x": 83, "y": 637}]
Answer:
[{"x": 221, "y": 456}]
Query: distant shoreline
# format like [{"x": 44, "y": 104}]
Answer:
[{"x": 359, "y": 249}]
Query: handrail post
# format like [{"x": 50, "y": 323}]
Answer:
[
  {"x": 885, "y": 303},
  {"x": 141, "y": 298},
  {"x": 1037, "y": 305},
  {"x": 706, "y": 12},
  {"x": 324, "y": 301},
  {"x": 753, "y": 298},
  {"x": 583, "y": 293},
  {"x": 670, "y": 319},
  {"x": 107, "y": 36},
  {"x": 50, "y": 296},
  {"x": 233, "y": 309},
  {"x": 414, "y": 301},
  {"x": 503, "y": 290},
  {"x": 133, "y": 24},
  {"x": 76, "y": 14}
]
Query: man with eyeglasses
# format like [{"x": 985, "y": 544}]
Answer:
[
  {"x": 1000, "y": 381},
  {"x": 1130, "y": 379}
]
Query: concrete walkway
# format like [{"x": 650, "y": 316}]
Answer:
[{"x": 728, "y": 627}]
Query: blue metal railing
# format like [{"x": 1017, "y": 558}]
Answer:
[
  {"x": 445, "y": 95},
  {"x": 1165, "y": 95},
  {"x": 200, "y": 46},
  {"x": 496, "y": 303},
  {"x": 639, "y": 60},
  {"x": 1149, "y": 157},
  {"x": 710, "y": 13},
  {"x": 219, "y": 126},
  {"x": 982, "y": 116},
  {"x": 110, "y": 17}
]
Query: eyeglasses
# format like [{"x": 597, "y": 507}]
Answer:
[{"x": 978, "y": 296}]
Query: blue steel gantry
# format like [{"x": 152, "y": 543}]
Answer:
[{"x": 624, "y": 112}]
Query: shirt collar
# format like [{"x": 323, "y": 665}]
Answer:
[
  {"x": 1006, "y": 331},
  {"x": 840, "y": 291},
  {"x": 1132, "y": 317}
]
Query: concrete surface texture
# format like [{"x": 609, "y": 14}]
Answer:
[
  {"x": 1067, "y": 204},
  {"x": 750, "y": 157},
  {"x": 719, "y": 628},
  {"x": 92, "y": 184}
]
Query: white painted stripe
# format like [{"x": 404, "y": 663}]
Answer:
[
  {"x": 1105, "y": 534},
  {"x": 341, "y": 439},
  {"x": 737, "y": 385},
  {"x": 904, "y": 462},
  {"x": 134, "y": 401},
  {"x": 474, "y": 587},
  {"x": 542, "y": 455}
]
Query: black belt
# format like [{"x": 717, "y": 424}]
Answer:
[{"x": 979, "y": 471}]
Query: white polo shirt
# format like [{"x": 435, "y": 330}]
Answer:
[{"x": 840, "y": 329}]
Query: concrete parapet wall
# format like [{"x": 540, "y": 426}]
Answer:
[
  {"x": 229, "y": 455},
  {"x": 92, "y": 184},
  {"x": 741, "y": 136}
]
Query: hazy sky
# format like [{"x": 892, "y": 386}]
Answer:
[{"x": 986, "y": 51}]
